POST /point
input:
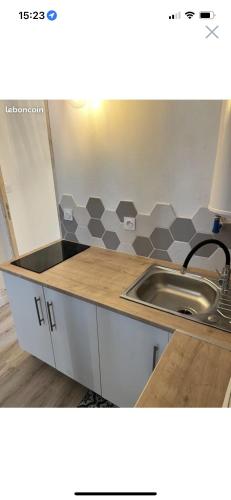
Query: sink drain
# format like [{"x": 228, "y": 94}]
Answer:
[{"x": 186, "y": 311}]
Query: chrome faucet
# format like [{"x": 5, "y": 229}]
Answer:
[
  {"x": 224, "y": 278},
  {"x": 225, "y": 275}
]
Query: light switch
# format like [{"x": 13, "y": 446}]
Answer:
[{"x": 68, "y": 213}]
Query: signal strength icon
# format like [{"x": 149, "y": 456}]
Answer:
[
  {"x": 175, "y": 16},
  {"x": 190, "y": 14}
]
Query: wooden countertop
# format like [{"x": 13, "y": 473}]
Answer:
[
  {"x": 100, "y": 276},
  {"x": 191, "y": 373}
]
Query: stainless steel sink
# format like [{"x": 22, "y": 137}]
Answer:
[{"x": 188, "y": 295}]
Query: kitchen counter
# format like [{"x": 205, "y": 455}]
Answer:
[
  {"x": 191, "y": 373},
  {"x": 198, "y": 351}
]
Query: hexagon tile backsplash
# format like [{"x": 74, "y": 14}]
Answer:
[{"x": 162, "y": 234}]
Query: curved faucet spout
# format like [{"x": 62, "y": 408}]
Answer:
[{"x": 226, "y": 271}]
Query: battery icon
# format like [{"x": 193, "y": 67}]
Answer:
[{"x": 207, "y": 15}]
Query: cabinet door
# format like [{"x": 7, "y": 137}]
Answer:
[
  {"x": 29, "y": 313},
  {"x": 129, "y": 351},
  {"x": 74, "y": 337}
]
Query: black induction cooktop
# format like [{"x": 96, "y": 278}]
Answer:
[{"x": 50, "y": 256}]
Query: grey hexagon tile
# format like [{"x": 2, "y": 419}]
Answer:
[
  {"x": 96, "y": 228},
  {"x": 144, "y": 225},
  {"x": 163, "y": 215},
  {"x": 70, "y": 225},
  {"x": 71, "y": 237},
  {"x": 203, "y": 220},
  {"x": 63, "y": 230},
  {"x": 126, "y": 209},
  {"x": 182, "y": 229},
  {"x": 111, "y": 240},
  {"x": 61, "y": 214},
  {"x": 81, "y": 215},
  {"x": 178, "y": 251},
  {"x": 225, "y": 235},
  {"x": 110, "y": 221},
  {"x": 67, "y": 201},
  {"x": 160, "y": 254},
  {"x": 161, "y": 238},
  {"x": 126, "y": 248},
  {"x": 205, "y": 251},
  {"x": 95, "y": 208},
  {"x": 142, "y": 246}
]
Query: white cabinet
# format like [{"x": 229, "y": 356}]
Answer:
[
  {"x": 29, "y": 313},
  {"x": 129, "y": 349},
  {"x": 74, "y": 337},
  {"x": 107, "y": 352},
  {"x": 56, "y": 328}
]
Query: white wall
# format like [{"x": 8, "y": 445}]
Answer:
[
  {"x": 27, "y": 171},
  {"x": 144, "y": 151},
  {"x": 5, "y": 245},
  {"x": 5, "y": 253}
]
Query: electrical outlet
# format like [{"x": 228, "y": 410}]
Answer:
[
  {"x": 68, "y": 214},
  {"x": 129, "y": 223}
]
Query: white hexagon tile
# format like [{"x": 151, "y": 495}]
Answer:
[
  {"x": 203, "y": 220},
  {"x": 163, "y": 215},
  {"x": 178, "y": 251},
  {"x": 81, "y": 215},
  {"x": 144, "y": 225}
]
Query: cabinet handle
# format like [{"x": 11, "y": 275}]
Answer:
[
  {"x": 37, "y": 302},
  {"x": 51, "y": 309},
  {"x": 155, "y": 351}
]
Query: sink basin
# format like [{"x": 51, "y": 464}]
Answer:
[
  {"x": 188, "y": 295},
  {"x": 177, "y": 292}
]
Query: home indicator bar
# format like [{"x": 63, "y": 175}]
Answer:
[{"x": 117, "y": 493}]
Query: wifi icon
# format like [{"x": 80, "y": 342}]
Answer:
[{"x": 190, "y": 14}]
